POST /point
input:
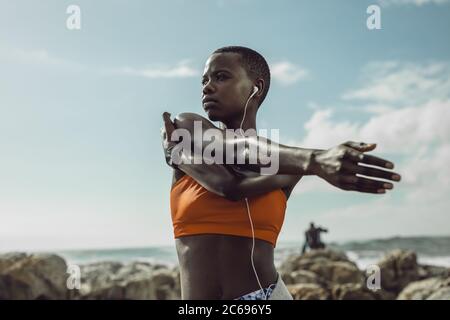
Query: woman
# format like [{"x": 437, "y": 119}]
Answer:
[{"x": 227, "y": 217}]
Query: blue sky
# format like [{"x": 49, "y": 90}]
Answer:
[{"x": 81, "y": 164}]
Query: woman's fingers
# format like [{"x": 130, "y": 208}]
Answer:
[
  {"x": 372, "y": 183},
  {"x": 365, "y": 158},
  {"x": 369, "y": 159},
  {"x": 365, "y": 189},
  {"x": 356, "y": 156},
  {"x": 369, "y": 171},
  {"x": 361, "y": 184}
]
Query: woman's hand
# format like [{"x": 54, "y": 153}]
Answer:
[{"x": 339, "y": 166}]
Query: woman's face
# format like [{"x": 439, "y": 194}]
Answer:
[{"x": 226, "y": 83}]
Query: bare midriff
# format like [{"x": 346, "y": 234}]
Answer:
[{"x": 214, "y": 266}]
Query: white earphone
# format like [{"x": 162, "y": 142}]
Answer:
[{"x": 255, "y": 90}]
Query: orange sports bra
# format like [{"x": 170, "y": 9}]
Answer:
[{"x": 196, "y": 210}]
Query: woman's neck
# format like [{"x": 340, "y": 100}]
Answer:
[{"x": 235, "y": 124}]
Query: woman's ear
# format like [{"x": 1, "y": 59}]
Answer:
[{"x": 260, "y": 84}]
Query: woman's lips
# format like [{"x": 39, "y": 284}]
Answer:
[{"x": 209, "y": 104}]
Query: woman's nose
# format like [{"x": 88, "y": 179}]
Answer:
[{"x": 208, "y": 88}]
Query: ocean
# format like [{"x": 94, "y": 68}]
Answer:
[{"x": 429, "y": 250}]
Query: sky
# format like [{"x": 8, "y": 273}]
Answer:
[{"x": 81, "y": 163}]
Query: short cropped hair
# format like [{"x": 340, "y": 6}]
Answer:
[{"x": 254, "y": 63}]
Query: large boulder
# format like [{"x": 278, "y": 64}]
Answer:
[
  {"x": 308, "y": 291},
  {"x": 305, "y": 276},
  {"x": 351, "y": 291},
  {"x": 427, "y": 271},
  {"x": 46, "y": 276},
  {"x": 304, "y": 261},
  {"x": 321, "y": 267},
  {"x": 398, "y": 268},
  {"x": 32, "y": 276},
  {"x": 135, "y": 281},
  {"x": 437, "y": 288},
  {"x": 286, "y": 276},
  {"x": 313, "y": 275},
  {"x": 440, "y": 294},
  {"x": 340, "y": 272}
]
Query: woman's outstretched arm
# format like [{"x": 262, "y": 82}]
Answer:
[
  {"x": 338, "y": 165},
  {"x": 226, "y": 180},
  {"x": 269, "y": 157}
]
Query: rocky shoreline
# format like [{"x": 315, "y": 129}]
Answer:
[{"x": 318, "y": 274}]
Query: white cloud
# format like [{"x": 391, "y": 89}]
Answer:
[
  {"x": 374, "y": 108},
  {"x": 42, "y": 57},
  {"x": 409, "y": 118},
  {"x": 403, "y": 83},
  {"x": 396, "y": 131},
  {"x": 287, "y": 73},
  {"x": 417, "y": 3},
  {"x": 180, "y": 70},
  {"x": 36, "y": 57},
  {"x": 427, "y": 175},
  {"x": 416, "y": 131}
]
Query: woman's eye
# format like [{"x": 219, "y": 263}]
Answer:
[{"x": 219, "y": 77}]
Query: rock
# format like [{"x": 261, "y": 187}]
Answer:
[
  {"x": 357, "y": 291},
  {"x": 287, "y": 278},
  {"x": 318, "y": 274},
  {"x": 163, "y": 277},
  {"x": 165, "y": 284},
  {"x": 398, "y": 268},
  {"x": 321, "y": 266},
  {"x": 383, "y": 295},
  {"x": 305, "y": 276},
  {"x": 327, "y": 254},
  {"x": 308, "y": 291},
  {"x": 340, "y": 272},
  {"x": 136, "y": 288},
  {"x": 176, "y": 277},
  {"x": 432, "y": 288},
  {"x": 136, "y": 281},
  {"x": 45, "y": 276},
  {"x": 426, "y": 271},
  {"x": 32, "y": 276},
  {"x": 440, "y": 294},
  {"x": 351, "y": 291},
  {"x": 302, "y": 262},
  {"x": 289, "y": 265}
]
